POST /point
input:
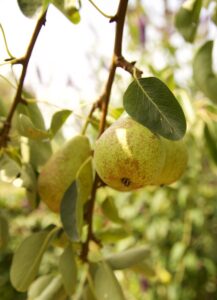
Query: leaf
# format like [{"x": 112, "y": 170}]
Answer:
[
  {"x": 211, "y": 141},
  {"x": 69, "y": 10},
  {"x": 106, "y": 284},
  {"x": 187, "y": 19},
  {"x": 27, "y": 258},
  {"x": 39, "y": 153},
  {"x": 58, "y": 120},
  {"x": 4, "y": 232},
  {"x": 30, "y": 184},
  {"x": 112, "y": 235},
  {"x": 9, "y": 168},
  {"x": 29, "y": 8},
  {"x": 203, "y": 73},
  {"x": 151, "y": 103},
  {"x": 144, "y": 268},
  {"x": 87, "y": 293},
  {"x": 68, "y": 270},
  {"x": 27, "y": 129},
  {"x": 110, "y": 210},
  {"x": 69, "y": 213},
  {"x": 47, "y": 287},
  {"x": 85, "y": 180},
  {"x": 128, "y": 258}
]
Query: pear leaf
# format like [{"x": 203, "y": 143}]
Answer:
[
  {"x": 106, "y": 284},
  {"x": 211, "y": 140},
  {"x": 203, "y": 73},
  {"x": 110, "y": 210},
  {"x": 29, "y": 8},
  {"x": 4, "y": 232},
  {"x": 27, "y": 258},
  {"x": 69, "y": 10},
  {"x": 150, "y": 102},
  {"x": 30, "y": 184},
  {"x": 58, "y": 120},
  {"x": 9, "y": 168},
  {"x": 128, "y": 258},
  {"x": 187, "y": 19},
  {"x": 112, "y": 234},
  {"x": 47, "y": 287},
  {"x": 27, "y": 129},
  {"x": 68, "y": 270},
  {"x": 69, "y": 213}
]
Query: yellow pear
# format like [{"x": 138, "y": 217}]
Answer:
[
  {"x": 175, "y": 162},
  {"x": 61, "y": 170},
  {"x": 129, "y": 156}
]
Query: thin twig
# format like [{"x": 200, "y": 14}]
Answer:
[
  {"x": 100, "y": 11},
  {"x": 18, "y": 97}
]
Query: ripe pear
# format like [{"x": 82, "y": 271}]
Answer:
[
  {"x": 175, "y": 162},
  {"x": 61, "y": 170},
  {"x": 128, "y": 155}
]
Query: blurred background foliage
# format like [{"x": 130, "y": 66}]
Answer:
[{"x": 178, "y": 222}]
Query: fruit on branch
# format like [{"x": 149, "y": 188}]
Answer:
[
  {"x": 175, "y": 162},
  {"x": 61, "y": 170},
  {"x": 129, "y": 156}
]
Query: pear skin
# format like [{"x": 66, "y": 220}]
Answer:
[
  {"x": 61, "y": 170},
  {"x": 128, "y": 156},
  {"x": 175, "y": 162}
]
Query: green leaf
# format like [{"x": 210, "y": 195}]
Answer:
[
  {"x": 128, "y": 258},
  {"x": 39, "y": 153},
  {"x": 144, "y": 268},
  {"x": 203, "y": 73},
  {"x": 27, "y": 129},
  {"x": 4, "y": 232},
  {"x": 29, "y": 7},
  {"x": 106, "y": 284},
  {"x": 27, "y": 258},
  {"x": 47, "y": 287},
  {"x": 30, "y": 184},
  {"x": 112, "y": 234},
  {"x": 211, "y": 140},
  {"x": 150, "y": 102},
  {"x": 88, "y": 294},
  {"x": 68, "y": 270},
  {"x": 69, "y": 212},
  {"x": 187, "y": 19},
  {"x": 84, "y": 179},
  {"x": 58, "y": 120},
  {"x": 110, "y": 210},
  {"x": 9, "y": 168},
  {"x": 69, "y": 9}
]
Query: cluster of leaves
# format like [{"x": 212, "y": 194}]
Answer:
[{"x": 150, "y": 241}]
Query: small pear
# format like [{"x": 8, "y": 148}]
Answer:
[
  {"x": 175, "y": 162},
  {"x": 61, "y": 170},
  {"x": 128, "y": 155}
]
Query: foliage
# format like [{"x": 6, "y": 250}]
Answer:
[{"x": 154, "y": 243}]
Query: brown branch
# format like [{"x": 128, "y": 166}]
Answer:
[
  {"x": 102, "y": 103},
  {"x": 4, "y": 134}
]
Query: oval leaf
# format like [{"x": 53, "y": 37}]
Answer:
[
  {"x": 211, "y": 140},
  {"x": 69, "y": 212},
  {"x": 106, "y": 284},
  {"x": 29, "y": 8},
  {"x": 27, "y": 258},
  {"x": 187, "y": 19},
  {"x": 150, "y": 102},
  {"x": 110, "y": 210},
  {"x": 27, "y": 129},
  {"x": 47, "y": 287},
  {"x": 68, "y": 270},
  {"x": 58, "y": 120},
  {"x": 203, "y": 73},
  {"x": 128, "y": 258}
]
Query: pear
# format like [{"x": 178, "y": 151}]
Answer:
[
  {"x": 61, "y": 170},
  {"x": 175, "y": 162},
  {"x": 128, "y": 156}
]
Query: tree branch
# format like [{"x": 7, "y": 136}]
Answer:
[{"x": 4, "y": 134}]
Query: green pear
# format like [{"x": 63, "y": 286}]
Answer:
[
  {"x": 128, "y": 156},
  {"x": 61, "y": 170},
  {"x": 175, "y": 162}
]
